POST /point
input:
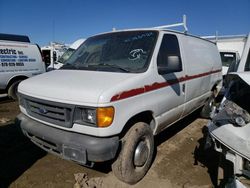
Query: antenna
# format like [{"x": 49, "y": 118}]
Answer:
[
  {"x": 216, "y": 36},
  {"x": 53, "y": 30},
  {"x": 183, "y": 23}
]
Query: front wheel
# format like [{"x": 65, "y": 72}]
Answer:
[
  {"x": 136, "y": 154},
  {"x": 12, "y": 91}
]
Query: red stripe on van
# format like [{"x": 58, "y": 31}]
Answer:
[{"x": 155, "y": 86}]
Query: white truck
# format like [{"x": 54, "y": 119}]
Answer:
[
  {"x": 61, "y": 61},
  {"x": 115, "y": 93},
  {"x": 19, "y": 59}
]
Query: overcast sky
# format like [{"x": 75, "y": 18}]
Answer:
[{"x": 68, "y": 20}]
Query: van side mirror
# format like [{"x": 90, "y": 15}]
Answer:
[
  {"x": 54, "y": 56},
  {"x": 173, "y": 65}
]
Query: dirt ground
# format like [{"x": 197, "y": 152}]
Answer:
[{"x": 178, "y": 161}]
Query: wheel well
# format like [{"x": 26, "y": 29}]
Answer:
[
  {"x": 145, "y": 117},
  {"x": 217, "y": 84},
  {"x": 16, "y": 78},
  {"x": 214, "y": 87}
]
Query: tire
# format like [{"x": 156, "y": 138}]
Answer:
[
  {"x": 130, "y": 166},
  {"x": 208, "y": 107},
  {"x": 12, "y": 90}
]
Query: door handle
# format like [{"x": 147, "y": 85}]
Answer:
[{"x": 183, "y": 88}]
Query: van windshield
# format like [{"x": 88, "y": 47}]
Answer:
[{"x": 128, "y": 51}]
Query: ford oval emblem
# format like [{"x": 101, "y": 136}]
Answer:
[{"x": 43, "y": 110}]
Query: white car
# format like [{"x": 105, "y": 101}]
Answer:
[
  {"x": 115, "y": 93},
  {"x": 19, "y": 59},
  {"x": 229, "y": 128}
]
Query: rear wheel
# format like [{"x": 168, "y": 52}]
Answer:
[
  {"x": 209, "y": 105},
  {"x": 136, "y": 154},
  {"x": 12, "y": 90}
]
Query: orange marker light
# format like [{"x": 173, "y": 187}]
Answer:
[{"x": 105, "y": 116}]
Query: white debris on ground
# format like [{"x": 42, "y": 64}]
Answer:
[
  {"x": 83, "y": 181},
  {"x": 3, "y": 95},
  {"x": 4, "y": 120}
]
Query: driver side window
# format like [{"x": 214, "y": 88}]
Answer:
[{"x": 169, "y": 57}]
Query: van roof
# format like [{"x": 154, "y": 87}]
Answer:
[
  {"x": 17, "y": 38},
  {"x": 156, "y": 29}
]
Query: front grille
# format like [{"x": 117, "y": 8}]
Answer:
[{"x": 49, "y": 111}]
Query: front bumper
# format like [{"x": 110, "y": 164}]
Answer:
[{"x": 81, "y": 148}]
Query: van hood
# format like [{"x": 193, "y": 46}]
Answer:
[{"x": 75, "y": 86}]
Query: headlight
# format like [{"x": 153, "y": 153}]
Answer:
[
  {"x": 88, "y": 115},
  {"x": 100, "y": 117},
  {"x": 20, "y": 100}
]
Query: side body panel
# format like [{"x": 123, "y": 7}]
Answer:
[{"x": 203, "y": 70}]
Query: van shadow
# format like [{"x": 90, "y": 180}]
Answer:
[
  {"x": 17, "y": 154},
  {"x": 207, "y": 157},
  {"x": 177, "y": 127}
]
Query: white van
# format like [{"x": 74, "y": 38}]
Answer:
[
  {"x": 61, "y": 61},
  {"x": 19, "y": 59},
  {"x": 115, "y": 93}
]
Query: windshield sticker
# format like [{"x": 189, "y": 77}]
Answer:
[
  {"x": 136, "y": 54},
  {"x": 138, "y": 37}
]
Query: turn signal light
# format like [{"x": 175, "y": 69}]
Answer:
[{"x": 105, "y": 116}]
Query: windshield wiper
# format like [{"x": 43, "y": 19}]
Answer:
[
  {"x": 68, "y": 66},
  {"x": 114, "y": 66},
  {"x": 59, "y": 60}
]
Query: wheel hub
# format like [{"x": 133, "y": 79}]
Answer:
[{"x": 141, "y": 154}]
